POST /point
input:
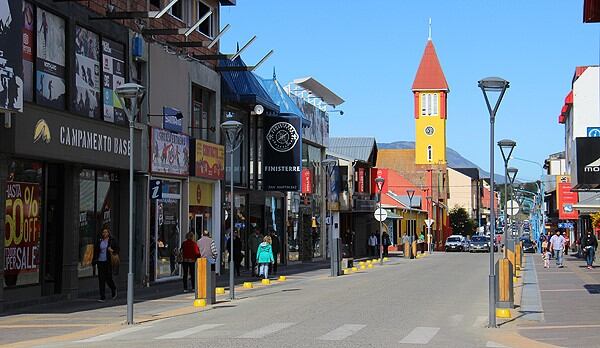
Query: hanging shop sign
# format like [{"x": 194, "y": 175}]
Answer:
[
  {"x": 207, "y": 160},
  {"x": 306, "y": 180},
  {"x": 282, "y": 154},
  {"x": 50, "y": 61},
  {"x": 172, "y": 119},
  {"x": 113, "y": 68},
  {"x": 170, "y": 153},
  {"x": 566, "y": 198},
  {"x": 11, "y": 55},
  {"x": 587, "y": 163}
]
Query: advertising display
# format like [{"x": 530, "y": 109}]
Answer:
[
  {"x": 172, "y": 119},
  {"x": 566, "y": 198},
  {"x": 22, "y": 233},
  {"x": 282, "y": 157},
  {"x": 361, "y": 180},
  {"x": 113, "y": 67},
  {"x": 208, "y": 160},
  {"x": 50, "y": 75},
  {"x": 11, "y": 61},
  {"x": 588, "y": 163},
  {"x": 28, "y": 42},
  {"x": 306, "y": 180},
  {"x": 170, "y": 153},
  {"x": 87, "y": 73}
]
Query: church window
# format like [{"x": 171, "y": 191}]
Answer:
[
  {"x": 429, "y": 104},
  {"x": 429, "y": 153}
]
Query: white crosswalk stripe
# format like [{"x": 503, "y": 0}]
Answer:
[
  {"x": 266, "y": 330},
  {"x": 114, "y": 334},
  {"x": 481, "y": 321},
  {"x": 341, "y": 332},
  {"x": 492, "y": 344},
  {"x": 187, "y": 332},
  {"x": 420, "y": 335}
]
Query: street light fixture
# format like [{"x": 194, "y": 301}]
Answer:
[
  {"x": 130, "y": 95},
  {"x": 379, "y": 181},
  {"x": 233, "y": 136},
  {"x": 512, "y": 175},
  {"x": 411, "y": 194},
  {"x": 333, "y": 257},
  {"x": 506, "y": 148},
  {"x": 492, "y": 85},
  {"x": 429, "y": 239}
]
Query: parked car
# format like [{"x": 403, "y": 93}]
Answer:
[
  {"x": 479, "y": 243},
  {"x": 455, "y": 243},
  {"x": 528, "y": 246}
]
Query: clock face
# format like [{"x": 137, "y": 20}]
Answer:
[{"x": 429, "y": 130}]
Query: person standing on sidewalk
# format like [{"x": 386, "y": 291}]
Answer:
[
  {"x": 208, "y": 249},
  {"x": 253, "y": 242},
  {"x": 557, "y": 244},
  {"x": 385, "y": 238},
  {"x": 373, "y": 243},
  {"x": 264, "y": 257},
  {"x": 589, "y": 244},
  {"x": 275, "y": 245},
  {"x": 190, "y": 252},
  {"x": 567, "y": 242},
  {"x": 237, "y": 252},
  {"x": 105, "y": 249}
]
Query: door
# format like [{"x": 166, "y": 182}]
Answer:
[
  {"x": 53, "y": 236},
  {"x": 198, "y": 225}
]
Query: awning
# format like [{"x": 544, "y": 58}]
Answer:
[
  {"x": 242, "y": 87},
  {"x": 319, "y": 90},
  {"x": 286, "y": 105},
  {"x": 392, "y": 215}
]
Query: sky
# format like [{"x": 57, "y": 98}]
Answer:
[{"x": 368, "y": 53}]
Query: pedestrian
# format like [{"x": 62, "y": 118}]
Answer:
[
  {"x": 190, "y": 252},
  {"x": 557, "y": 245},
  {"x": 208, "y": 249},
  {"x": 589, "y": 244},
  {"x": 567, "y": 243},
  {"x": 422, "y": 242},
  {"x": 253, "y": 242},
  {"x": 264, "y": 257},
  {"x": 105, "y": 251},
  {"x": 385, "y": 237},
  {"x": 546, "y": 256},
  {"x": 276, "y": 246},
  {"x": 373, "y": 243},
  {"x": 238, "y": 254}
]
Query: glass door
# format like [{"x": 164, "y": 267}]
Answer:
[{"x": 166, "y": 231}]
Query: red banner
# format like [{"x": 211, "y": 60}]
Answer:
[
  {"x": 566, "y": 199},
  {"x": 23, "y": 225},
  {"x": 361, "y": 179},
  {"x": 306, "y": 180}
]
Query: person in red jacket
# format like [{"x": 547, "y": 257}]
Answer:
[{"x": 190, "y": 252}]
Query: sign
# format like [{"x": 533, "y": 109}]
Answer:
[
  {"x": 200, "y": 194},
  {"x": 587, "y": 163},
  {"x": 208, "y": 160},
  {"x": 156, "y": 189},
  {"x": 429, "y": 222},
  {"x": 22, "y": 231},
  {"x": 170, "y": 153},
  {"x": 11, "y": 55},
  {"x": 282, "y": 154},
  {"x": 568, "y": 225},
  {"x": 50, "y": 62},
  {"x": 172, "y": 119},
  {"x": 512, "y": 207},
  {"x": 565, "y": 198},
  {"x": 361, "y": 179},
  {"x": 593, "y": 131},
  {"x": 50, "y": 134},
  {"x": 380, "y": 214},
  {"x": 306, "y": 180},
  {"x": 113, "y": 68},
  {"x": 28, "y": 42},
  {"x": 86, "y": 96}
]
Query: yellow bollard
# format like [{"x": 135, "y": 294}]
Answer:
[
  {"x": 354, "y": 269},
  {"x": 220, "y": 291},
  {"x": 282, "y": 278},
  {"x": 369, "y": 262},
  {"x": 248, "y": 285},
  {"x": 363, "y": 267},
  {"x": 199, "y": 302},
  {"x": 361, "y": 263},
  {"x": 370, "y": 265},
  {"x": 385, "y": 259},
  {"x": 346, "y": 271},
  {"x": 265, "y": 282},
  {"x": 503, "y": 313}
]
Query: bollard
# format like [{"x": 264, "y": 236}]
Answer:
[
  {"x": 248, "y": 285},
  {"x": 363, "y": 267},
  {"x": 265, "y": 282},
  {"x": 385, "y": 259},
  {"x": 504, "y": 284},
  {"x": 407, "y": 250},
  {"x": 282, "y": 278},
  {"x": 346, "y": 271},
  {"x": 519, "y": 255},
  {"x": 370, "y": 265},
  {"x": 414, "y": 249},
  {"x": 354, "y": 269},
  {"x": 220, "y": 291}
]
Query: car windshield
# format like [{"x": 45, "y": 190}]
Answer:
[
  {"x": 454, "y": 239},
  {"x": 479, "y": 239}
]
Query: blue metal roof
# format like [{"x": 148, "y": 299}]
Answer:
[
  {"x": 287, "y": 107},
  {"x": 242, "y": 87},
  {"x": 359, "y": 148}
]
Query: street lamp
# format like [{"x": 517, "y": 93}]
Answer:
[
  {"x": 429, "y": 239},
  {"x": 379, "y": 181},
  {"x": 506, "y": 148},
  {"x": 130, "y": 95},
  {"x": 333, "y": 257},
  {"x": 233, "y": 137},
  {"x": 512, "y": 175},
  {"x": 492, "y": 85},
  {"x": 411, "y": 194}
]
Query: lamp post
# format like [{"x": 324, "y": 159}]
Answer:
[
  {"x": 234, "y": 136},
  {"x": 512, "y": 175},
  {"x": 506, "y": 148},
  {"x": 492, "y": 85},
  {"x": 333, "y": 257},
  {"x": 429, "y": 240},
  {"x": 411, "y": 194},
  {"x": 380, "y": 181},
  {"x": 540, "y": 184},
  {"x": 130, "y": 95}
]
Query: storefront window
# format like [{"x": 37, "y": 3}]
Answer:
[
  {"x": 165, "y": 231},
  {"x": 24, "y": 192}
]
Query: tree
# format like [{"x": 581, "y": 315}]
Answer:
[
  {"x": 596, "y": 220},
  {"x": 460, "y": 222}
]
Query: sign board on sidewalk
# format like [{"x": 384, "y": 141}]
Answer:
[
  {"x": 429, "y": 222},
  {"x": 380, "y": 214}
]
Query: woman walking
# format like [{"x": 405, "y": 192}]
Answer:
[
  {"x": 589, "y": 244},
  {"x": 264, "y": 256},
  {"x": 190, "y": 252},
  {"x": 106, "y": 250}
]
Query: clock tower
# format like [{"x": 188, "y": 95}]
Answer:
[{"x": 430, "y": 90}]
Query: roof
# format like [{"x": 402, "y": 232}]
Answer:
[
  {"x": 430, "y": 75},
  {"x": 287, "y": 107},
  {"x": 243, "y": 87},
  {"x": 317, "y": 89},
  {"x": 359, "y": 148},
  {"x": 473, "y": 173}
]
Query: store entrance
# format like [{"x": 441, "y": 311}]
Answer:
[{"x": 53, "y": 236}]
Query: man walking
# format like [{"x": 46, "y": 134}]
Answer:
[
  {"x": 208, "y": 249},
  {"x": 373, "y": 243},
  {"x": 589, "y": 243},
  {"x": 253, "y": 242},
  {"x": 557, "y": 244}
]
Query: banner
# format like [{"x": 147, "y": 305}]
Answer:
[
  {"x": 361, "y": 180},
  {"x": 113, "y": 67},
  {"x": 208, "y": 160},
  {"x": 200, "y": 194},
  {"x": 565, "y": 198},
  {"x": 87, "y": 73},
  {"x": 11, "y": 57},
  {"x": 170, "y": 153},
  {"x": 22, "y": 232},
  {"x": 50, "y": 81},
  {"x": 587, "y": 165},
  {"x": 28, "y": 42},
  {"x": 171, "y": 121},
  {"x": 282, "y": 154},
  {"x": 306, "y": 180}
]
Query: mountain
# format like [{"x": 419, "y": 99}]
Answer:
[{"x": 455, "y": 159}]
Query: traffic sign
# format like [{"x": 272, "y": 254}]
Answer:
[
  {"x": 512, "y": 207},
  {"x": 565, "y": 225},
  {"x": 429, "y": 222},
  {"x": 593, "y": 132},
  {"x": 380, "y": 214}
]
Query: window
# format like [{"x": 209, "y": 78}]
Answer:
[
  {"x": 429, "y": 104},
  {"x": 177, "y": 10},
  {"x": 429, "y": 153},
  {"x": 203, "y": 125},
  {"x": 155, "y": 3},
  {"x": 50, "y": 60},
  {"x": 206, "y": 26}
]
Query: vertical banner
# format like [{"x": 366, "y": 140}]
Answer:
[
  {"x": 282, "y": 154},
  {"x": 170, "y": 153},
  {"x": 566, "y": 198},
  {"x": 50, "y": 62},
  {"x": 22, "y": 233},
  {"x": 306, "y": 180},
  {"x": 361, "y": 179},
  {"x": 113, "y": 67},
  {"x": 87, "y": 73},
  {"x": 11, "y": 58},
  {"x": 28, "y": 51}
]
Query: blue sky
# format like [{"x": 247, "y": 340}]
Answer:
[{"x": 369, "y": 56}]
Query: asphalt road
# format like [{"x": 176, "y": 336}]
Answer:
[{"x": 436, "y": 301}]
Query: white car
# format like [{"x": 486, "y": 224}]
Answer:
[{"x": 455, "y": 243}]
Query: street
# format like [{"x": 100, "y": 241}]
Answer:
[{"x": 439, "y": 300}]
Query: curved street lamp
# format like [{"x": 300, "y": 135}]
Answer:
[
  {"x": 379, "y": 181},
  {"x": 329, "y": 164},
  {"x": 506, "y": 148}
]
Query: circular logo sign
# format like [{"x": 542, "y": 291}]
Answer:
[
  {"x": 282, "y": 137},
  {"x": 429, "y": 130}
]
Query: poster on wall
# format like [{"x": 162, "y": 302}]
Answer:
[
  {"x": 22, "y": 233},
  {"x": 11, "y": 61},
  {"x": 566, "y": 198},
  {"x": 87, "y": 73},
  {"x": 209, "y": 160},
  {"x": 113, "y": 67},
  {"x": 170, "y": 153},
  {"x": 28, "y": 42},
  {"x": 282, "y": 154},
  {"x": 50, "y": 62}
]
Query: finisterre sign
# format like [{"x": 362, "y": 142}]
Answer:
[{"x": 282, "y": 154}]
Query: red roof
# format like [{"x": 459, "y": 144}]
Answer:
[
  {"x": 569, "y": 98},
  {"x": 430, "y": 75}
]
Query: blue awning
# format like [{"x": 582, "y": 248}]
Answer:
[
  {"x": 242, "y": 87},
  {"x": 287, "y": 107}
]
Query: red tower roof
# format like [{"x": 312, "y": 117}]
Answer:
[{"x": 430, "y": 75}]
